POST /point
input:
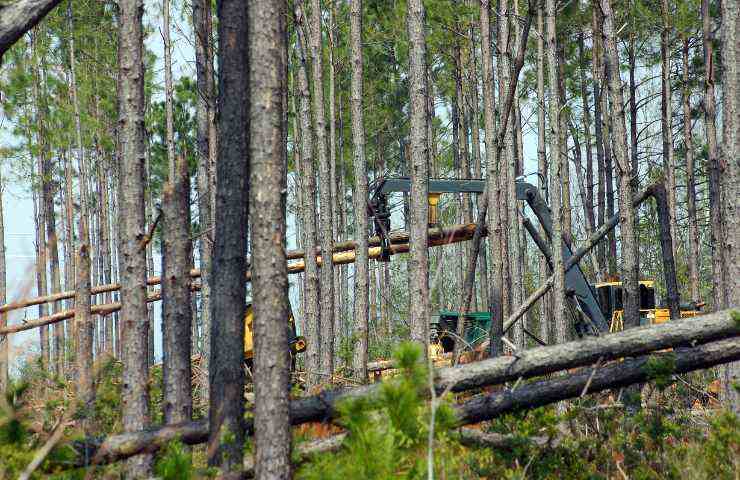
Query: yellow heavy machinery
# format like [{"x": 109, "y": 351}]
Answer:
[
  {"x": 297, "y": 343},
  {"x": 610, "y": 298}
]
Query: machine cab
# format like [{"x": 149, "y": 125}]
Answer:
[{"x": 610, "y": 299}]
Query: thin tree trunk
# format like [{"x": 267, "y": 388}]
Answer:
[
  {"x": 693, "y": 252},
  {"x": 4, "y": 339},
  {"x": 565, "y": 203},
  {"x": 731, "y": 178},
  {"x": 716, "y": 213},
  {"x": 419, "y": 143},
  {"x": 333, "y": 172},
  {"x": 495, "y": 293},
  {"x": 589, "y": 200},
  {"x": 308, "y": 209},
  {"x": 627, "y": 180},
  {"x": 83, "y": 331},
  {"x": 359, "y": 196},
  {"x": 477, "y": 167},
  {"x": 132, "y": 259},
  {"x": 268, "y": 156},
  {"x": 669, "y": 163},
  {"x": 600, "y": 140},
  {"x": 41, "y": 288},
  {"x": 556, "y": 176},
  {"x": 206, "y": 140},
  {"x": 229, "y": 266},
  {"x": 325, "y": 198},
  {"x": 176, "y": 305},
  {"x": 545, "y": 313},
  {"x": 105, "y": 250}
]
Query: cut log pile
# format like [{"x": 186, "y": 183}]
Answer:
[{"x": 697, "y": 343}]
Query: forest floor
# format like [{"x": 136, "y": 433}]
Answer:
[{"x": 680, "y": 432}]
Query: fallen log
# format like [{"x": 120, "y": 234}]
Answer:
[
  {"x": 343, "y": 253},
  {"x": 530, "y": 363},
  {"x": 19, "y": 16},
  {"x": 621, "y": 374}
]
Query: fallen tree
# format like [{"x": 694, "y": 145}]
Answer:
[
  {"x": 19, "y": 16},
  {"x": 343, "y": 254},
  {"x": 696, "y": 335}
]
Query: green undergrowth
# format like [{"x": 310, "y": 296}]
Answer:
[{"x": 679, "y": 432}]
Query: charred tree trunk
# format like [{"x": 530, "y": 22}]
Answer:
[
  {"x": 359, "y": 197},
  {"x": 229, "y": 267},
  {"x": 132, "y": 259}
]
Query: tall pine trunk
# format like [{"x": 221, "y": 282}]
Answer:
[
  {"x": 545, "y": 312},
  {"x": 360, "y": 193},
  {"x": 419, "y": 143},
  {"x": 556, "y": 176},
  {"x": 132, "y": 259},
  {"x": 226, "y": 419},
  {"x": 4, "y": 340},
  {"x": 669, "y": 165},
  {"x": 692, "y": 257},
  {"x": 268, "y": 157}
]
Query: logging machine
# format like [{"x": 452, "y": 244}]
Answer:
[
  {"x": 582, "y": 300},
  {"x": 297, "y": 343}
]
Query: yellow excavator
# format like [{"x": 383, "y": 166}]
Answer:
[
  {"x": 297, "y": 343},
  {"x": 610, "y": 299}
]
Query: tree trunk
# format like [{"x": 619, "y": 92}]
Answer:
[
  {"x": 83, "y": 331},
  {"x": 105, "y": 250},
  {"x": 5, "y": 339},
  {"x": 359, "y": 197},
  {"x": 631, "y": 63},
  {"x": 627, "y": 182},
  {"x": 731, "y": 179},
  {"x": 545, "y": 314},
  {"x": 176, "y": 305},
  {"x": 693, "y": 252},
  {"x": 206, "y": 143},
  {"x": 268, "y": 156},
  {"x": 713, "y": 161},
  {"x": 333, "y": 173},
  {"x": 308, "y": 209},
  {"x": 666, "y": 116},
  {"x": 567, "y": 225},
  {"x": 556, "y": 176},
  {"x": 477, "y": 167},
  {"x": 600, "y": 142},
  {"x": 419, "y": 261},
  {"x": 132, "y": 259},
  {"x": 325, "y": 198},
  {"x": 589, "y": 200},
  {"x": 495, "y": 297},
  {"x": 38, "y": 216},
  {"x": 229, "y": 266}
]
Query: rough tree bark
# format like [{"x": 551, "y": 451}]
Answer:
[
  {"x": 627, "y": 176},
  {"x": 730, "y": 197},
  {"x": 325, "y": 198},
  {"x": 308, "y": 213},
  {"x": 692, "y": 257},
  {"x": 556, "y": 175},
  {"x": 83, "y": 330},
  {"x": 225, "y": 443},
  {"x": 419, "y": 143},
  {"x": 359, "y": 197},
  {"x": 206, "y": 149},
  {"x": 177, "y": 315},
  {"x": 268, "y": 158},
  {"x": 599, "y": 139},
  {"x": 545, "y": 313},
  {"x": 713, "y": 161},
  {"x": 666, "y": 115},
  {"x": 132, "y": 257},
  {"x": 20, "y": 16}
]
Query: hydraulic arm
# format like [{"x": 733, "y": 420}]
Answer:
[{"x": 582, "y": 296}]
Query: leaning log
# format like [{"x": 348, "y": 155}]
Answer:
[
  {"x": 722, "y": 328},
  {"x": 19, "y": 16},
  {"x": 588, "y": 380},
  {"x": 343, "y": 253}
]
